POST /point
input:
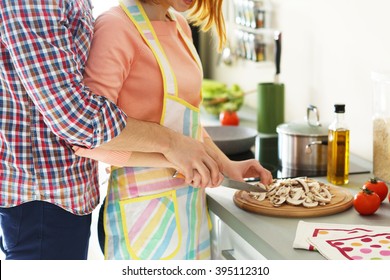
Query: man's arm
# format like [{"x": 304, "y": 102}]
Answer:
[
  {"x": 48, "y": 51},
  {"x": 191, "y": 157}
]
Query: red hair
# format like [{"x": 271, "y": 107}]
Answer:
[{"x": 206, "y": 14}]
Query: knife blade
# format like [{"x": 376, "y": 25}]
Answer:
[{"x": 241, "y": 185}]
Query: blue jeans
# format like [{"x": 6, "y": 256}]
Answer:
[{"x": 43, "y": 231}]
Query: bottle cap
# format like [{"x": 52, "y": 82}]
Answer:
[{"x": 339, "y": 108}]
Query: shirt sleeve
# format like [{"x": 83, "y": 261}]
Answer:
[{"x": 48, "y": 43}]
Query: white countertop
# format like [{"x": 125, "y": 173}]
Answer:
[{"x": 273, "y": 236}]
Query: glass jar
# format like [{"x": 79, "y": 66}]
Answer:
[{"x": 381, "y": 125}]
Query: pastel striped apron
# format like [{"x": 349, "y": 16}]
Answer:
[{"x": 149, "y": 214}]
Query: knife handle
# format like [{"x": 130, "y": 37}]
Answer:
[
  {"x": 177, "y": 174},
  {"x": 278, "y": 50}
]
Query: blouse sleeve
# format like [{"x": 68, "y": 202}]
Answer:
[{"x": 110, "y": 56}]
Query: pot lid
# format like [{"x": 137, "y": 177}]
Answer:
[
  {"x": 312, "y": 126},
  {"x": 302, "y": 129}
]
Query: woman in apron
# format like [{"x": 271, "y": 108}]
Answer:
[{"x": 143, "y": 59}]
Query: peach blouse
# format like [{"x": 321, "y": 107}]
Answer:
[{"x": 123, "y": 68}]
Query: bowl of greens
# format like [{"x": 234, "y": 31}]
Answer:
[{"x": 218, "y": 97}]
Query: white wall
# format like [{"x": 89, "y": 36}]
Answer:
[
  {"x": 100, "y": 6},
  {"x": 329, "y": 48}
]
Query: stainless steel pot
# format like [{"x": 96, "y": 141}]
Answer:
[{"x": 303, "y": 146}]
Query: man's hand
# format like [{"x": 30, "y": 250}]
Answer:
[{"x": 199, "y": 164}]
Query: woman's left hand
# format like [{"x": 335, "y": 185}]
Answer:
[{"x": 251, "y": 168}]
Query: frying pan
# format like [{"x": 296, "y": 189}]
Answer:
[{"x": 232, "y": 139}]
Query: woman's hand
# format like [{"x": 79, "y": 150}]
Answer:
[
  {"x": 238, "y": 170},
  {"x": 198, "y": 183}
]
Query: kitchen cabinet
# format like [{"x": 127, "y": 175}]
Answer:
[
  {"x": 268, "y": 237},
  {"x": 227, "y": 244}
]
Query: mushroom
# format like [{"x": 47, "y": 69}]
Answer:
[
  {"x": 277, "y": 201},
  {"x": 304, "y": 185},
  {"x": 310, "y": 204},
  {"x": 296, "y": 191},
  {"x": 260, "y": 196},
  {"x": 297, "y": 197}
]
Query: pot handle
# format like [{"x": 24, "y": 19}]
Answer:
[
  {"x": 308, "y": 146},
  {"x": 313, "y": 109}
]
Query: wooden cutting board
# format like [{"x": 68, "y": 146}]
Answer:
[{"x": 341, "y": 201}]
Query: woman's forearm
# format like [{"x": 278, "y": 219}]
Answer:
[
  {"x": 124, "y": 158},
  {"x": 149, "y": 159}
]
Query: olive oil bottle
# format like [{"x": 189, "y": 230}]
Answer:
[{"x": 338, "y": 148}]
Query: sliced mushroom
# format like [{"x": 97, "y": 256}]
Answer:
[
  {"x": 260, "y": 196},
  {"x": 296, "y": 191},
  {"x": 297, "y": 196},
  {"x": 283, "y": 191},
  {"x": 278, "y": 200},
  {"x": 295, "y": 202},
  {"x": 304, "y": 185},
  {"x": 310, "y": 204}
]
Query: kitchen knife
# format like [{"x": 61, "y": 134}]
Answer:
[
  {"x": 242, "y": 185},
  {"x": 233, "y": 184},
  {"x": 278, "y": 53}
]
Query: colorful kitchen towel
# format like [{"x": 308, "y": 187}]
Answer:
[
  {"x": 342, "y": 241},
  {"x": 375, "y": 246}
]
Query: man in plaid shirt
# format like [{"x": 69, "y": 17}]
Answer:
[
  {"x": 45, "y": 109},
  {"x": 47, "y": 193}
]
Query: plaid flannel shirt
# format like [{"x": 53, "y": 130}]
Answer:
[{"x": 46, "y": 108}]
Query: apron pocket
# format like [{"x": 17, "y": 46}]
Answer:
[{"x": 151, "y": 226}]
